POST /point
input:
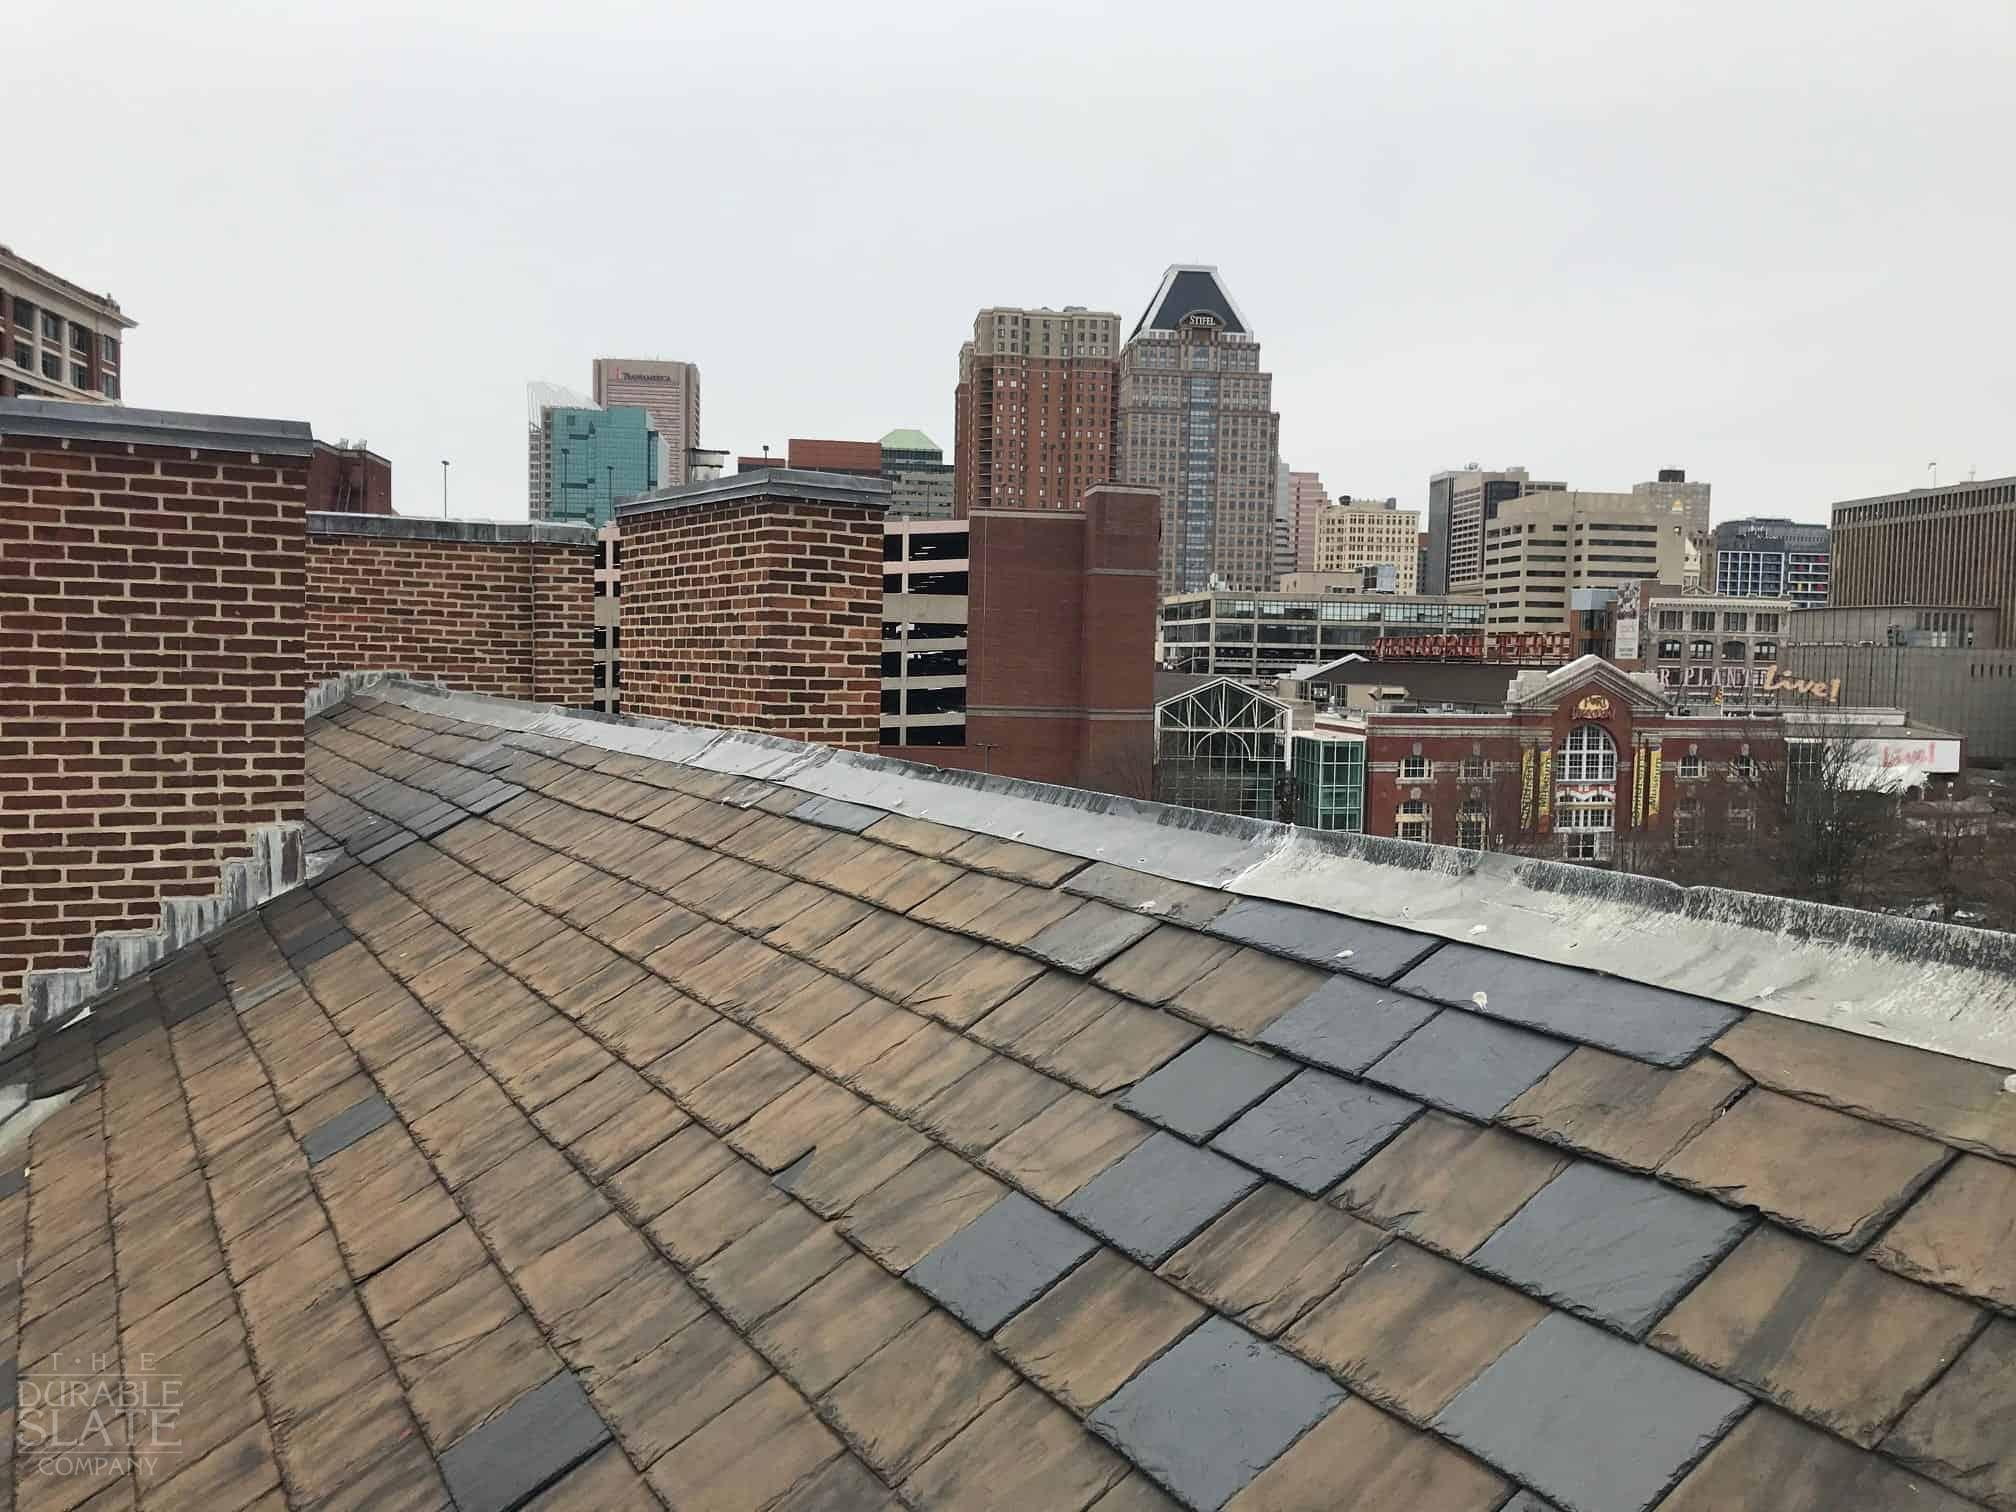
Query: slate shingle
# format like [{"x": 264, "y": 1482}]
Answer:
[
  {"x": 1467, "y": 1063},
  {"x": 1315, "y": 1130}
]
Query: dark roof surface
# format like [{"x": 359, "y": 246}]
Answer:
[
  {"x": 601, "y": 1132},
  {"x": 1189, "y": 291}
]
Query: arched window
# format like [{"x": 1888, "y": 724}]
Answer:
[{"x": 1589, "y": 756}]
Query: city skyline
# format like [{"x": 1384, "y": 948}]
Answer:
[{"x": 1695, "y": 267}]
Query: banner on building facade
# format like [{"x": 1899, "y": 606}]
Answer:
[
  {"x": 1546, "y": 794},
  {"x": 1640, "y": 762},
  {"x": 1526, "y": 788},
  {"x": 1652, "y": 781}
]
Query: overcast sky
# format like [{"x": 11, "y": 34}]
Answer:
[{"x": 1770, "y": 243}]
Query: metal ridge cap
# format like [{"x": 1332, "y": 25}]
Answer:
[
  {"x": 59, "y": 419},
  {"x": 1938, "y": 987},
  {"x": 768, "y": 482},
  {"x": 427, "y": 528}
]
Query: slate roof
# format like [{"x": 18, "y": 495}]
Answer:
[{"x": 600, "y": 1131}]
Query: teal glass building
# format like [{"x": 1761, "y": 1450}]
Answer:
[{"x": 597, "y": 458}]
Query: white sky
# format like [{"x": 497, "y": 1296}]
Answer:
[{"x": 1769, "y": 242}]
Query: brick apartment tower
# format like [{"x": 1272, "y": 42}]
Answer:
[
  {"x": 754, "y": 602},
  {"x": 152, "y": 751},
  {"x": 1060, "y": 631},
  {"x": 1035, "y": 409}
]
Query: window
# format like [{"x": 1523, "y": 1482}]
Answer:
[
  {"x": 1470, "y": 826},
  {"x": 1736, "y": 622},
  {"x": 1767, "y": 624},
  {"x": 1473, "y": 768},
  {"x": 108, "y": 349},
  {"x": 1413, "y": 768},
  {"x": 1742, "y": 817},
  {"x": 111, "y": 385},
  {"x": 52, "y": 366},
  {"x": 1734, "y": 651},
  {"x": 24, "y": 356},
  {"x": 80, "y": 339},
  {"x": 1702, "y": 619},
  {"x": 24, "y": 314},
  {"x": 1589, "y": 756},
  {"x": 1764, "y": 651},
  {"x": 1701, "y": 650},
  {"x": 1672, "y": 619},
  {"x": 1669, "y": 650},
  {"x": 52, "y": 327},
  {"x": 1687, "y": 824},
  {"x": 1586, "y": 845},
  {"x": 80, "y": 376},
  {"x": 1743, "y": 769},
  {"x": 1413, "y": 822},
  {"x": 1691, "y": 768}
]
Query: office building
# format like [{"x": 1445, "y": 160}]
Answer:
[
  {"x": 1197, "y": 424},
  {"x": 1671, "y": 487},
  {"x": 1358, "y": 533},
  {"x": 57, "y": 340},
  {"x": 1307, "y": 499},
  {"x": 920, "y": 478},
  {"x": 1459, "y": 505},
  {"x": 540, "y": 399},
  {"x": 1762, "y": 557},
  {"x": 1948, "y": 665},
  {"x": 1707, "y": 650},
  {"x": 597, "y": 458},
  {"x": 669, "y": 392},
  {"x": 1540, "y": 547},
  {"x": 926, "y": 582},
  {"x": 348, "y": 478},
  {"x": 1034, "y": 408},
  {"x": 1951, "y": 545},
  {"x": 1264, "y": 635}
]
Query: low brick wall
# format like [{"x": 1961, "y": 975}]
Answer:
[
  {"x": 151, "y": 571},
  {"x": 755, "y": 603},
  {"x": 503, "y": 609}
]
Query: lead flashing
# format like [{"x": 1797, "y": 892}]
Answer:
[
  {"x": 473, "y": 532},
  {"x": 62, "y": 420},
  {"x": 786, "y": 483}
]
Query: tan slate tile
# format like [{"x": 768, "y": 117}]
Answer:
[
  {"x": 1771, "y": 1460},
  {"x": 900, "y": 1405},
  {"x": 1959, "y": 1431},
  {"x": 1833, "y": 1339},
  {"x": 647, "y": 1020},
  {"x": 918, "y": 1069},
  {"x": 421, "y": 1274},
  {"x": 1065, "y": 1146},
  {"x": 1042, "y": 1015},
  {"x": 1629, "y": 1113},
  {"x": 233, "y": 1473},
  {"x": 838, "y": 1322},
  {"x": 859, "y": 1159},
  {"x": 988, "y": 1103},
  {"x": 1412, "y": 1329},
  {"x": 920, "y": 835},
  {"x": 822, "y": 917},
  {"x": 906, "y": 1215},
  {"x": 1247, "y": 991},
  {"x": 1010, "y": 858},
  {"x": 591, "y": 1103},
  {"x": 865, "y": 1035},
  {"x": 1095, "y": 1328},
  {"x": 1384, "y": 1462},
  {"x": 1960, "y": 1102},
  {"x": 1272, "y": 1256},
  {"x": 796, "y": 1121},
  {"x": 712, "y": 1050},
  {"x": 1162, "y": 964},
  {"x": 1823, "y": 1173},
  {"x": 715, "y": 1470},
  {"x": 1120, "y": 1047},
  {"x": 771, "y": 1264},
  {"x": 1961, "y": 1234},
  {"x": 1448, "y": 1183},
  {"x": 715, "y": 1215},
  {"x": 810, "y": 1009},
  {"x": 471, "y": 1132},
  {"x": 732, "y": 1094},
  {"x": 1022, "y": 1452},
  {"x": 669, "y": 1171},
  {"x": 530, "y": 1203},
  {"x": 678, "y": 1388},
  {"x": 970, "y": 986},
  {"x": 1136, "y": 1493}
]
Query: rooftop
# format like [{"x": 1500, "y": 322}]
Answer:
[
  {"x": 908, "y": 440},
  {"x": 630, "y": 1114},
  {"x": 104, "y": 303}
]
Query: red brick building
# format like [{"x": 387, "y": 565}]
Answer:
[
  {"x": 349, "y": 480},
  {"x": 1578, "y": 759},
  {"x": 1036, "y": 409},
  {"x": 859, "y": 458}
]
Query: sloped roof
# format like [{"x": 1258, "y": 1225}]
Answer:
[
  {"x": 1190, "y": 289},
  {"x": 624, "y": 1117},
  {"x": 908, "y": 440}
]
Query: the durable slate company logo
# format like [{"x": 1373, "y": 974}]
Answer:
[{"x": 83, "y": 1415}]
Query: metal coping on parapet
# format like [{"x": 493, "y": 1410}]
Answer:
[
  {"x": 766, "y": 483},
  {"x": 477, "y": 532},
  {"x": 60, "y": 420}
]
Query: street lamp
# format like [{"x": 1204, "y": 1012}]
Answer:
[{"x": 444, "y": 488}]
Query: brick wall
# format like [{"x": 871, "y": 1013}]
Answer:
[
  {"x": 754, "y": 602},
  {"x": 503, "y": 609},
  {"x": 151, "y": 571}
]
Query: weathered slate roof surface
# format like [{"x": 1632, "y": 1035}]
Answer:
[{"x": 600, "y": 1132}]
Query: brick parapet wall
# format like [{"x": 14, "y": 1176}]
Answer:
[
  {"x": 151, "y": 667},
  {"x": 760, "y": 610},
  {"x": 497, "y": 609}
]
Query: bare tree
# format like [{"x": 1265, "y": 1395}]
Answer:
[{"x": 1823, "y": 828}]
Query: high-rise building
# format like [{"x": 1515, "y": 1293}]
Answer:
[
  {"x": 57, "y": 340},
  {"x": 596, "y": 458},
  {"x": 1672, "y": 487},
  {"x": 920, "y": 478},
  {"x": 1197, "y": 423},
  {"x": 1459, "y": 504},
  {"x": 540, "y": 400},
  {"x": 1951, "y": 545},
  {"x": 1356, "y": 533},
  {"x": 668, "y": 391},
  {"x": 1306, "y": 500},
  {"x": 1034, "y": 409},
  {"x": 1541, "y": 547},
  {"x": 1763, "y": 557}
]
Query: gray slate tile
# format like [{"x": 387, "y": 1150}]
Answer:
[
  {"x": 1613, "y": 1247},
  {"x": 1648, "y": 1023},
  {"x": 1316, "y": 1130},
  {"x": 1215, "y": 1411},
  {"x": 1323, "y": 939},
  {"x": 1469, "y": 1064},
  {"x": 1158, "y": 1196},
  {"x": 528, "y": 1445},
  {"x": 346, "y": 1128},
  {"x": 327, "y": 944},
  {"x": 1347, "y": 1025},
  {"x": 838, "y": 813},
  {"x": 1526, "y": 1501},
  {"x": 1596, "y": 1424},
  {"x": 1089, "y": 936},
  {"x": 1206, "y": 1087},
  {"x": 1001, "y": 1262}
]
